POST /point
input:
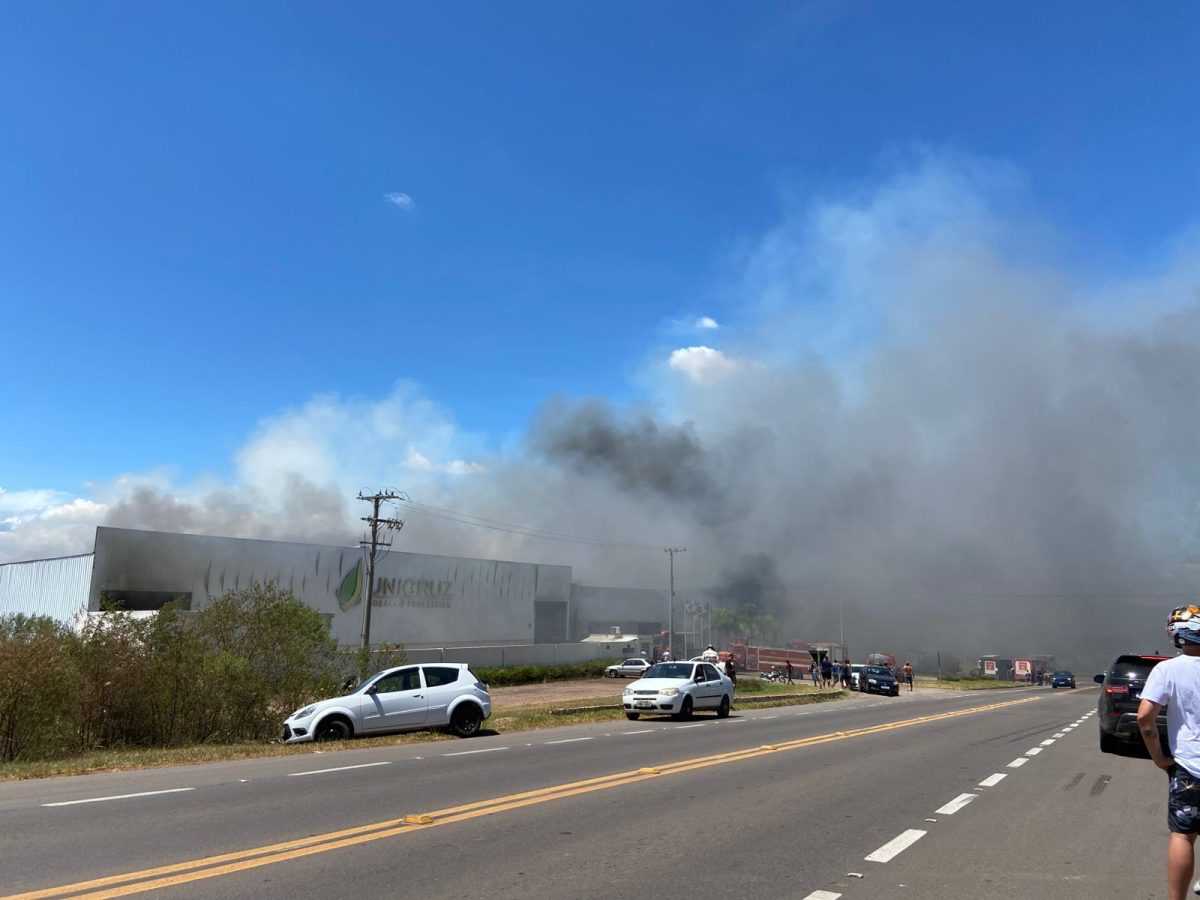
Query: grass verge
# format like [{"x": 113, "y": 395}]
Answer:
[{"x": 528, "y": 717}]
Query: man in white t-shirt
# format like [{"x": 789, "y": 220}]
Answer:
[
  {"x": 1175, "y": 684},
  {"x": 710, "y": 655}
]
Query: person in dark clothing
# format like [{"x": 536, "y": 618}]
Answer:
[
  {"x": 788, "y": 669},
  {"x": 731, "y": 670}
]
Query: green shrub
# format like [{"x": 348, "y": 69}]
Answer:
[
  {"x": 512, "y": 675},
  {"x": 38, "y": 682}
]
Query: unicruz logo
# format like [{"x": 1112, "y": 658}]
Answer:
[{"x": 349, "y": 593}]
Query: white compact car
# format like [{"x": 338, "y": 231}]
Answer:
[
  {"x": 634, "y": 667},
  {"x": 406, "y": 698},
  {"x": 679, "y": 689}
]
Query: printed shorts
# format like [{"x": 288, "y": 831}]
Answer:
[{"x": 1183, "y": 802}]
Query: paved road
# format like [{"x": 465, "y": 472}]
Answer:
[{"x": 933, "y": 794}]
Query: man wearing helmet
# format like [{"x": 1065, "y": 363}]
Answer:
[{"x": 1175, "y": 684}]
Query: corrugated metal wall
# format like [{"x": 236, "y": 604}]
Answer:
[{"x": 46, "y": 587}]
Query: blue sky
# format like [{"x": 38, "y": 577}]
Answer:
[{"x": 197, "y": 237}]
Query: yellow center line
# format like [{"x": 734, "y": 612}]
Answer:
[{"x": 242, "y": 860}]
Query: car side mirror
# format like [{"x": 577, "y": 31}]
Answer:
[
  {"x": 1099, "y": 679},
  {"x": 373, "y": 689}
]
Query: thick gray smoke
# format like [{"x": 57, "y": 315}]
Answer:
[{"x": 919, "y": 428}]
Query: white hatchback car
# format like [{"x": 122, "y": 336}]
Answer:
[
  {"x": 406, "y": 698},
  {"x": 679, "y": 689}
]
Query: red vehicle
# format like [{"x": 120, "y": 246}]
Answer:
[{"x": 882, "y": 659}]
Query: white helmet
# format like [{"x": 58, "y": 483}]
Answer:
[{"x": 1183, "y": 625}]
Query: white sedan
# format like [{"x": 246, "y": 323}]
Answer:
[
  {"x": 635, "y": 667},
  {"x": 678, "y": 689}
]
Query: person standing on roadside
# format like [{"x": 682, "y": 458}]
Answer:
[
  {"x": 907, "y": 672},
  {"x": 731, "y": 670},
  {"x": 846, "y": 672},
  {"x": 826, "y": 670},
  {"x": 1175, "y": 684},
  {"x": 812, "y": 673},
  {"x": 789, "y": 672}
]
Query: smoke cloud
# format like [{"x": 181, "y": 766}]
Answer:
[{"x": 934, "y": 424}]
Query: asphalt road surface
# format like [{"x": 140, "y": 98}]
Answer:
[{"x": 993, "y": 794}]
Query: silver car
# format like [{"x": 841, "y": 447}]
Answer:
[
  {"x": 635, "y": 667},
  {"x": 678, "y": 689},
  {"x": 406, "y": 698}
]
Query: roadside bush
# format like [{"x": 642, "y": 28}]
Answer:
[
  {"x": 360, "y": 664},
  {"x": 510, "y": 675},
  {"x": 261, "y": 654},
  {"x": 38, "y": 681}
]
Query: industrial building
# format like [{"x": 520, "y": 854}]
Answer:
[{"x": 419, "y": 600}]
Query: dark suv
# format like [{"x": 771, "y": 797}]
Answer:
[{"x": 1119, "y": 700}]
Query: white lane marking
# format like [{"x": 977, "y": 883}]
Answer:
[
  {"x": 954, "y": 805},
  {"x": 896, "y": 846},
  {"x": 764, "y": 718},
  {"x": 697, "y": 725},
  {"x": 1018, "y": 762},
  {"x": 643, "y": 731},
  {"x": 993, "y": 780},
  {"x": 338, "y": 769},
  {"x": 1033, "y": 751},
  {"x": 822, "y": 895},
  {"x": 1047, "y": 742},
  {"x": 119, "y": 797},
  {"x": 1061, "y": 734},
  {"x": 569, "y": 741},
  {"x": 469, "y": 752}
]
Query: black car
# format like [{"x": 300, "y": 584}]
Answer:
[
  {"x": 1118, "y": 704},
  {"x": 878, "y": 680},
  {"x": 1062, "y": 678}
]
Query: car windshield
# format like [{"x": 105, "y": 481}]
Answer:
[
  {"x": 1062, "y": 674},
  {"x": 1135, "y": 667},
  {"x": 877, "y": 670},
  {"x": 670, "y": 670}
]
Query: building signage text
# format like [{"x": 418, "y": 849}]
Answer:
[{"x": 413, "y": 592}]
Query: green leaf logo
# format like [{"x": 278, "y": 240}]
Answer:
[{"x": 350, "y": 591}]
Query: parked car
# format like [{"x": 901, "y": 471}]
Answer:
[
  {"x": 1062, "y": 678},
  {"x": 1118, "y": 704},
  {"x": 856, "y": 670},
  {"x": 636, "y": 667},
  {"x": 878, "y": 680},
  {"x": 406, "y": 698},
  {"x": 678, "y": 689}
]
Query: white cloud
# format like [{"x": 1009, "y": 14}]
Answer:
[
  {"x": 704, "y": 365},
  {"x": 707, "y": 323},
  {"x": 464, "y": 467},
  {"x": 400, "y": 199},
  {"x": 418, "y": 460}
]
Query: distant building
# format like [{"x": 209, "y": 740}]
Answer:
[{"x": 420, "y": 600}]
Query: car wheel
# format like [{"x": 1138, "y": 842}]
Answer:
[
  {"x": 723, "y": 709},
  {"x": 333, "y": 730},
  {"x": 612, "y": 674},
  {"x": 466, "y": 720},
  {"x": 685, "y": 711},
  {"x": 633, "y": 717},
  {"x": 1109, "y": 743}
]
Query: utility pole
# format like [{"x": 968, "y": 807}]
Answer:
[
  {"x": 671, "y": 551},
  {"x": 375, "y": 521}
]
